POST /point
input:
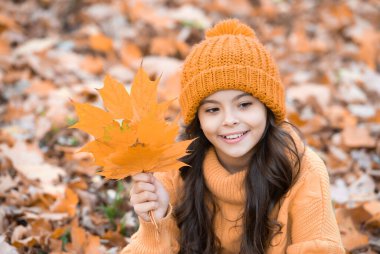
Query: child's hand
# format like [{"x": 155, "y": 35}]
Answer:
[{"x": 148, "y": 194}]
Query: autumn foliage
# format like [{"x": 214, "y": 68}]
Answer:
[
  {"x": 131, "y": 135},
  {"x": 329, "y": 59}
]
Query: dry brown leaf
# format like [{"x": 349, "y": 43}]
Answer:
[
  {"x": 368, "y": 42},
  {"x": 373, "y": 223},
  {"x": 93, "y": 245},
  {"x": 83, "y": 242},
  {"x": 376, "y": 117},
  {"x": 6, "y": 183},
  {"x": 340, "y": 117},
  {"x": 100, "y": 42},
  {"x": 58, "y": 232},
  {"x": 21, "y": 237},
  {"x": 41, "y": 87},
  {"x": 356, "y": 137},
  {"x": 163, "y": 46},
  {"x": 314, "y": 125},
  {"x": 372, "y": 207},
  {"x": 78, "y": 183},
  {"x": 7, "y": 22},
  {"x": 5, "y": 48},
  {"x": 351, "y": 237},
  {"x": 78, "y": 238},
  {"x": 115, "y": 238},
  {"x": 92, "y": 64},
  {"x": 130, "y": 53},
  {"x": 295, "y": 118},
  {"x": 239, "y": 7},
  {"x": 29, "y": 162},
  {"x": 298, "y": 40},
  {"x": 337, "y": 16},
  {"x": 67, "y": 203},
  {"x": 140, "y": 11}
]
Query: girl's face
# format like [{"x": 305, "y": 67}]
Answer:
[{"x": 233, "y": 121}]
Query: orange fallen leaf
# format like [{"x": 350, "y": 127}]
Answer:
[
  {"x": 129, "y": 53},
  {"x": 7, "y": 22},
  {"x": 145, "y": 12},
  {"x": 82, "y": 242},
  {"x": 100, "y": 42},
  {"x": 351, "y": 237},
  {"x": 78, "y": 237},
  {"x": 340, "y": 117},
  {"x": 4, "y": 47},
  {"x": 368, "y": 50},
  {"x": 163, "y": 46},
  {"x": 92, "y": 64},
  {"x": 355, "y": 137},
  {"x": 373, "y": 223},
  {"x": 58, "y": 232},
  {"x": 41, "y": 88},
  {"x": 67, "y": 203},
  {"x": 78, "y": 183},
  {"x": 338, "y": 15},
  {"x": 115, "y": 238},
  {"x": 21, "y": 237},
  {"x": 93, "y": 245}
]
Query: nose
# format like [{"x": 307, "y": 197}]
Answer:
[{"x": 230, "y": 119}]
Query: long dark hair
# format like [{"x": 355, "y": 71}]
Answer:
[{"x": 273, "y": 170}]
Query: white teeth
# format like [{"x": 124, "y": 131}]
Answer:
[{"x": 234, "y": 136}]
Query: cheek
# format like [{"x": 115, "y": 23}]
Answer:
[
  {"x": 258, "y": 116},
  {"x": 257, "y": 122},
  {"x": 262, "y": 122},
  {"x": 209, "y": 125}
]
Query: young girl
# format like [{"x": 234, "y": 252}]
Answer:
[{"x": 251, "y": 185}]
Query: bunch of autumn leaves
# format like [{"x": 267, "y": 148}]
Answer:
[{"x": 131, "y": 135}]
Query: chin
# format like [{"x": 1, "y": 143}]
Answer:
[{"x": 236, "y": 155}]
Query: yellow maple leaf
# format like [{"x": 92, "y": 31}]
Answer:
[
  {"x": 132, "y": 136},
  {"x": 93, "y": 120},
  {"x": 144, "y": 94},
  {"x": 116, "y": 99}
]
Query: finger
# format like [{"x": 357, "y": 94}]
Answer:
[
  {"x": 142, "y": 197},
  {"x": 145, "y": 207},
  {"x": 143, "y": 186},
  {"x": 145, "y": 217},
  {"x": 143, "y": 177}
]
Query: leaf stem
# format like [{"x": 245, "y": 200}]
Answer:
[
  {"x": 151, "y": 212},
  {"x": 151, "y": 215}
]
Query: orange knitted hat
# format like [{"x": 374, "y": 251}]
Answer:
[{"x": 230, "y": 57}]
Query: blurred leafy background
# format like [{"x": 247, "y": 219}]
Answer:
[{"x": 51, "y": 52}]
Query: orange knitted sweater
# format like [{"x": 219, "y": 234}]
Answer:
[{"x": 306, "y": 213}]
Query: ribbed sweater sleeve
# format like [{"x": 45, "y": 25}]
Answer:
[
  {"x": 313, "y": 226},
  {"x": 147, "y": 239}
]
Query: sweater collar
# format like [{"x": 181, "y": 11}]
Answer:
[{"x": 225, "y": 186}]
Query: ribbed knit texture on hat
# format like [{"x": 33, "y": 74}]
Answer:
[{"x": 230, "y": 57}]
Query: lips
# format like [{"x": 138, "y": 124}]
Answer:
[{"x": 232, "y": 138}]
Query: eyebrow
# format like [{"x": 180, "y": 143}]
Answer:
[{"x": 217, "y": 102}]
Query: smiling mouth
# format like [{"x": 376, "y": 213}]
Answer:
[{"x": 234, "y": 136}]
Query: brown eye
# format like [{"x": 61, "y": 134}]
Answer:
[
  {"x": 212, "y": 110},
  {"x": 245, "y": 105}
]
